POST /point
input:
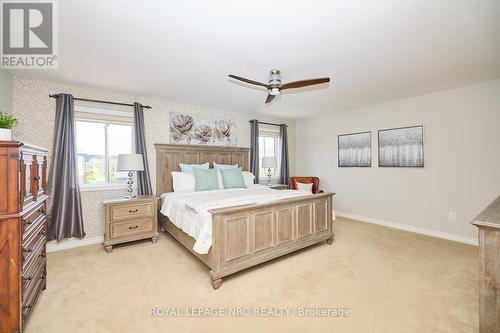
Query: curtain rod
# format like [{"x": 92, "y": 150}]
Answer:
[
  {"x": 99, "y": 101},
  {"x": 272, "y": 124}
]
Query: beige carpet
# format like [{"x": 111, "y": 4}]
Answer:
[{"x": 392, "y": 281}]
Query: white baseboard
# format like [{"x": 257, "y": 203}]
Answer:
[
  {"x": 410, "y": 228},
  {"x": 72, "y": 243}
]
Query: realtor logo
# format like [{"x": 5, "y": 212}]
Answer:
[{"x": 29, "y": 35}]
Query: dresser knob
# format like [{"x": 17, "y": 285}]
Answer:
[
  {"x": 133, "y": 210},
  {"x": 27, "y": 250},
  {"x": 134, "y": 227},
  {"x": 36, "y": 178},
  {"x": 28, "y": 222}
]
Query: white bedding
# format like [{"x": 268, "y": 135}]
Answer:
[{"x": 189, "y": 210}]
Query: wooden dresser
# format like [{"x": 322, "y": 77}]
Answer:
[
  {"x": 23, "y": 230},
  {"x": 488, "y": 222}
]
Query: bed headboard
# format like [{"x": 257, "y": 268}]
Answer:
[{"x": 168, "y": 157}]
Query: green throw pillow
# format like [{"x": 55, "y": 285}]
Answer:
[
  {"x": 205, "y": 179},
  {"x": 232, "y": 178}
]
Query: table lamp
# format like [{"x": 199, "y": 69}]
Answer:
[
  {"x": 130, "y": 162},
  {"x": 269, "y": 162}
]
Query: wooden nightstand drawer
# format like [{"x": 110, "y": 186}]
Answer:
[
  {"x": 134, "y": 211},
  {"x": 124, "y": 229}
]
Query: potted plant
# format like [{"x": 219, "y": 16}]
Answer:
[{"x": 6, "y": 123}]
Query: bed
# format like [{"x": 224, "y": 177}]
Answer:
[{"x": 243, "y": 228}]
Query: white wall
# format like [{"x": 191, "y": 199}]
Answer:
[
  {"x": 462, "y": 159},
  {"x": 35, "y": 111},
  {"x": 5, "y": 91}
]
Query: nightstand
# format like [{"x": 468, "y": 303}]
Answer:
[
  {"x": 130, "y": 219},
  {"x": 279, "y": 187}
]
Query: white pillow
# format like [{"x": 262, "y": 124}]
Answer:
[
  {"x": 183, "y": 181},
  {"x": 248, "y": 177},
  {"x": 219, "y": 180},
  {"x": 225, "y": 166},
  {"x": 305, "y": 187}
]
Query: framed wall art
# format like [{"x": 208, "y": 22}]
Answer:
[
  {"x": 354, "y": 150},
  {"x": 202, "y": 130},
  {"x": 401, "y": 147}
]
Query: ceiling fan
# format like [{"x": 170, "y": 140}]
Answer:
[{"x": 275, "y": 86}]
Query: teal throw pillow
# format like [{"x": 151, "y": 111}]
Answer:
[
  {"x": 205, "y": 180},
  {"x": 232, "y": 178},
  {"x": 189, "y": 167}
]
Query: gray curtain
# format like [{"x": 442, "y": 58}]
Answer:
[
  {"x": 143, "y": 178},
  {"x": 65, "y": 217},
  {"x": 254, "y": 148},
  {"x": 284, "y": 167}
]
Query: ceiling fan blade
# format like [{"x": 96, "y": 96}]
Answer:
[
  {"x": 304, "y": 83},
  {"x": 269, "y": 98},
  {"x": 249, "y": 81}
]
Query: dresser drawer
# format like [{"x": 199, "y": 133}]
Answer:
[
  {"x": 124, "y": 229},
  {"x": 31, "y": 218},
  {"x": 31, "y": 279},
  {"x": 127, "y": 212},
  {"x": 32, "y": 257},
  {"x": 36, "y": 228},
  {"x": 30, "y": 247},
  {"x": 30, "y": 298}
]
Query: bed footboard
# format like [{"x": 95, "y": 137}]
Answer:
[{"x": 248, "y": 235}]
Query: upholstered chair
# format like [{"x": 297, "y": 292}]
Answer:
[{"x": 305, "y": 180}]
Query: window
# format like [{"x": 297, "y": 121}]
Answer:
[
  {"x": 269, "y": 138},
  {"x": 99, "y": 140}
]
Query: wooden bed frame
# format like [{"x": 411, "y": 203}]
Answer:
[{"x": 246, "y": 235}]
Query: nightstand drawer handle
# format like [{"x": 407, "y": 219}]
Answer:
[
  {"x": 133, "y": 210},
  {"x": 134, "y": 227}
]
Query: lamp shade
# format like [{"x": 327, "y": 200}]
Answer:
[
  {"x": 269, "y": 162},
  {"x": 130, "y": 162}
]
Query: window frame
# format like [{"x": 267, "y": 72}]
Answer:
[
  {"x": 270, "y": 132},
  {"x": 106, "y": 117}
]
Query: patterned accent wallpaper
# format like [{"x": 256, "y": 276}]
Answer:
[{"x": 35, "y": 112}]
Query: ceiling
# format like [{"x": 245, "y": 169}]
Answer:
[{"x": 182, "y": 51}]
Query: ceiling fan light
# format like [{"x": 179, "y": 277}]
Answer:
[
  {"x": 275, "y": 78},
  {"x": 274, "y": 91}
]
